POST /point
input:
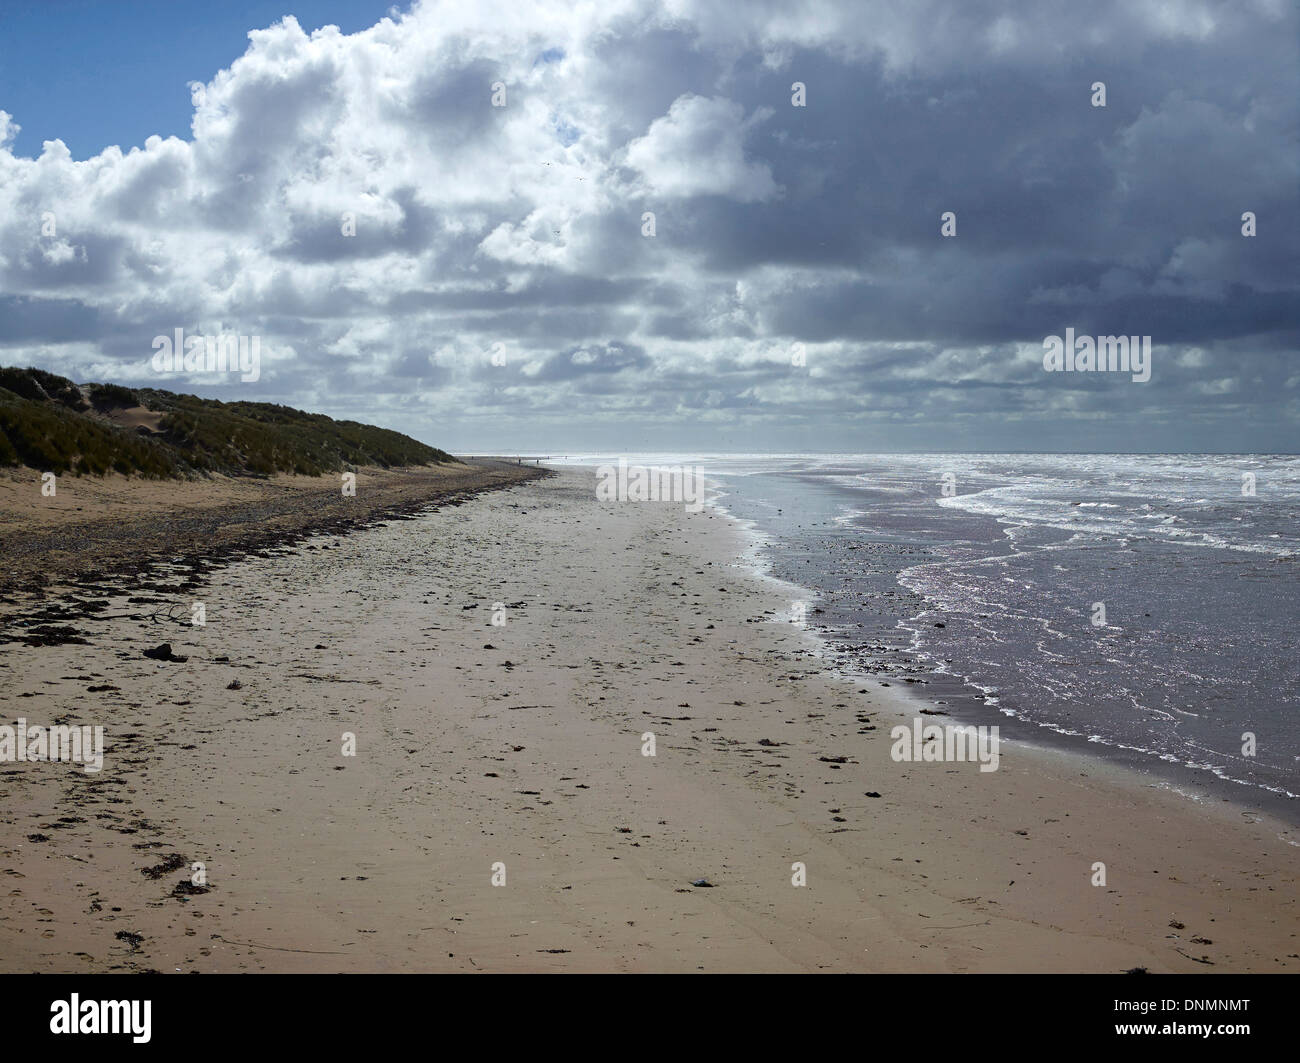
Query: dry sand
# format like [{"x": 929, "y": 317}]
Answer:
[
  {"x": 91, "y": 523},
  {"x": 521, "y": 745}
]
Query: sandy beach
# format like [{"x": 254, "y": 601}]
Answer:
[{"x": 514, "y": 750}]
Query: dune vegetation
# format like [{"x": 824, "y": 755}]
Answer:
[{"x": 49, "y": 423}]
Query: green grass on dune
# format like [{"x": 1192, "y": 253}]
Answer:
[{"x": 47, "y": 423}]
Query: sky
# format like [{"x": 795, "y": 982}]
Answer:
[{"x": 689, "y": 225}]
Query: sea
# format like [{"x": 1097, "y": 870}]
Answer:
[{"x": 1138, "y": 608}]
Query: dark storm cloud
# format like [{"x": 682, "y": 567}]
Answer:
[{"x": 24, "y": 320}]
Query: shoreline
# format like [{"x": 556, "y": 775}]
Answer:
[
  {"x": 932, "y": 688},
  {"x": 1058, "y": 753},
  {"x": 948, "y": 693},
  {"x": 522, "y": 744}
]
